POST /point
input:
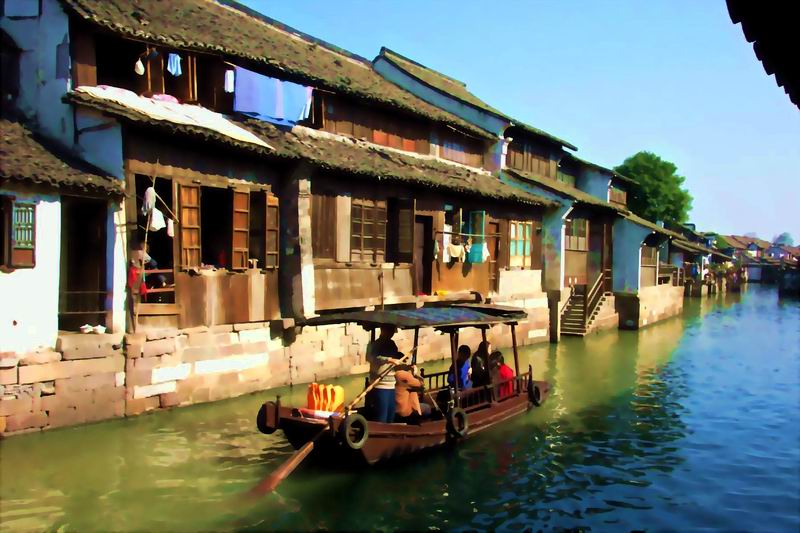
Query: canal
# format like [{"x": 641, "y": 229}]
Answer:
[{"x": 693, "y": 422}]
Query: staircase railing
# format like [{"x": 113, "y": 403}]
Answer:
[{"x": 593, "y": 298}]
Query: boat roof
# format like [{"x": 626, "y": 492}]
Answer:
[{"x": 455, "y": 316}]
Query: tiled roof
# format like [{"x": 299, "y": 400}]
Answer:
[
  {"x": 235, "y": 31},
  {"x": 24, "y": 157},
  {"x": 564, "y": 190},
  {"x": 332, "y": 152},
  {"x": 655, "y": 227},
  {"x": 328, "y": 151},
  {"x": 612, "y": 172},
  {"x": 457, "y": 90},
  {"x": 740, "y": 241}
]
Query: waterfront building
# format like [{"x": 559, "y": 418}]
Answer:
[
  {"x": 266, "y": 188},
  {"x": 594, "y": 248}
]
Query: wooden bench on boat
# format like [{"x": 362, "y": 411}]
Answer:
[{"x": 348, "y": 435}]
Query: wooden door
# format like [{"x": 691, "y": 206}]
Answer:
[
  {"x": 423, "y": 254},
  {"x": 190, "y": 226},
  {"x": 493, "y": 242}
]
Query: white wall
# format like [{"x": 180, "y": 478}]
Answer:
[
  {"x": 29, "y": 296},
  {"x": 628, "y": 239}
]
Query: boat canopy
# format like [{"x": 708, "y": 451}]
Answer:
[{"x": 450, "y": 317}]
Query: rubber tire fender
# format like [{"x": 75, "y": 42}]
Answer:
[
  {"x": 357, "y": 420},
  {"x": 457, "y": 423},
  {"x": 261, "y": 420},
  {"x": 534, "y": 394}
]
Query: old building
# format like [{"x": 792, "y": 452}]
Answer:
[{"x": 267, "y": 177}]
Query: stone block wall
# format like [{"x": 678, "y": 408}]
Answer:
[
  {"x": 81, "y": 380},
  {"x": 89, "y": 378},
  {"x": 659, "y": 303},
  {"x": 607, "y": 316}
]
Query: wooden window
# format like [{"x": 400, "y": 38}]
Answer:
[
  {"x": 240, "y": 230},
  {"x": 519, "y": 243},
  {"x": 368, "y": 231},
  {"x": 576, "y": 233},
  {"x": 323, "y": 225},
  {"x": 190, "y": 226},
  {"x": 345, "y": 117},
  {"x": 400, "y": 242},
  {"x": 617, "y": 196},
  {"x": 273, "y": 231},
  {"x": 529, "y": 157},
  {"x": 649, "y": 255},
  {"x": 84, "y": 61},
  {"x": 17, "y": 233},
  {"x": 183, "y": 87}
]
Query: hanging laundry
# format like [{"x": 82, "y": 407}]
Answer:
[
  {"x": 271, "y": 99},
  {"x": 174, "y": 65},
  {"x": 435, "y": 250},
  {"x": 229, "y": 81},
  {"x": 170, "y": 227},
  {"x": 138, "y": 68},
  {"x": 149, "y": 201},
  {"x": 485, "y": 253},
  {"x": 456, "y": 252},
  {"x": 157, "y": 220}
]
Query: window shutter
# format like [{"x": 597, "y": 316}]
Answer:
[
  {"x": 477, "y": 227},
  {"x": 400, "y": 241},
  {"x": 190, "y": 226},
  {"x": 343, "y": 204},
  {"x": 273, "y": 231},
  {"x": 241, "y": 230},
  {"x": 23, "y": 235}
]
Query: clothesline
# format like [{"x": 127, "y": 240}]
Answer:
[{"x": 468, "y": 234}]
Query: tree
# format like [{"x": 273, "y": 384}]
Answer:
[
  {"x": 658, "y": 195},
  {"x": 784, "y": 239}
]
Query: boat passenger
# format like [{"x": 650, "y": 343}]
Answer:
[
  {"x": 464, "y": 369},
  {"x": 408, "y": 408},
  {"x": 382, "y": 355},
  {"x": 480, "y": 365},
  {"x": 502, "y": 372}
]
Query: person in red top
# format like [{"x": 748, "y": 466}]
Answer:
[{"x": 503, "y": 373}]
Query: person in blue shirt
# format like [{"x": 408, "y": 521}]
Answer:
[{"x": 464, "y": 369}]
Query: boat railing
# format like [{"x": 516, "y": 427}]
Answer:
[{"x": 478, "y": 397}]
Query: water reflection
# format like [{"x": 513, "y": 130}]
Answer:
[{"x": 685, "y": 423}]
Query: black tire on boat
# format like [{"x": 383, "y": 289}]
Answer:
[
  {"x": 534, "y": 394},
  {"x": 261, "y": 420},
  {"x": 457, "y": 423},
  {"x": 355, "y": 431}
]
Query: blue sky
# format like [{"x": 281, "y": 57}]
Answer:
[{"x": 613, "y": 77}]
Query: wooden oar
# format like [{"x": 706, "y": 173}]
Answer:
[{"x": 269, "y": 483}]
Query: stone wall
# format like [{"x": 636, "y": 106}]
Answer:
[
  {"x": 82, "y": 380},
  {"x": 650, "y": 305},
  {"x": 607, "y": 316},
  {"x": 96, "y": 377}
]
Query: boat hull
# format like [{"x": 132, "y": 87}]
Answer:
[{"x": 386, "y": 441}]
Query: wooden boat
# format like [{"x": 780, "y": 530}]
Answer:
[{"x": 350, "y": 436}]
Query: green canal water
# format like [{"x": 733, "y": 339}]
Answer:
[{"x": 691, "y": 423}]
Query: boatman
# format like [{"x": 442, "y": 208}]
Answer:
[{"x": 382, "y": 355}]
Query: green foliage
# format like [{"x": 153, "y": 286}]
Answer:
[
  {"x": 784, "y": 239},
  {"x": 658, "y": 194}
]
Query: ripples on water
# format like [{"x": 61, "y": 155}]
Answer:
[{"x": 688, "y": 424}]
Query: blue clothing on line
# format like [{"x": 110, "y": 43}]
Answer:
[
  {"x": 270, "y": 99},
  {"x": 174, "y": 65}
]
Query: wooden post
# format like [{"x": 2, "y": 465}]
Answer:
[
  {"x": 483, "y": 334},
  {"x": 453, "y": 357},
  {"x": 516, "y": 352},
  {"x": 416, "y": 344}
]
